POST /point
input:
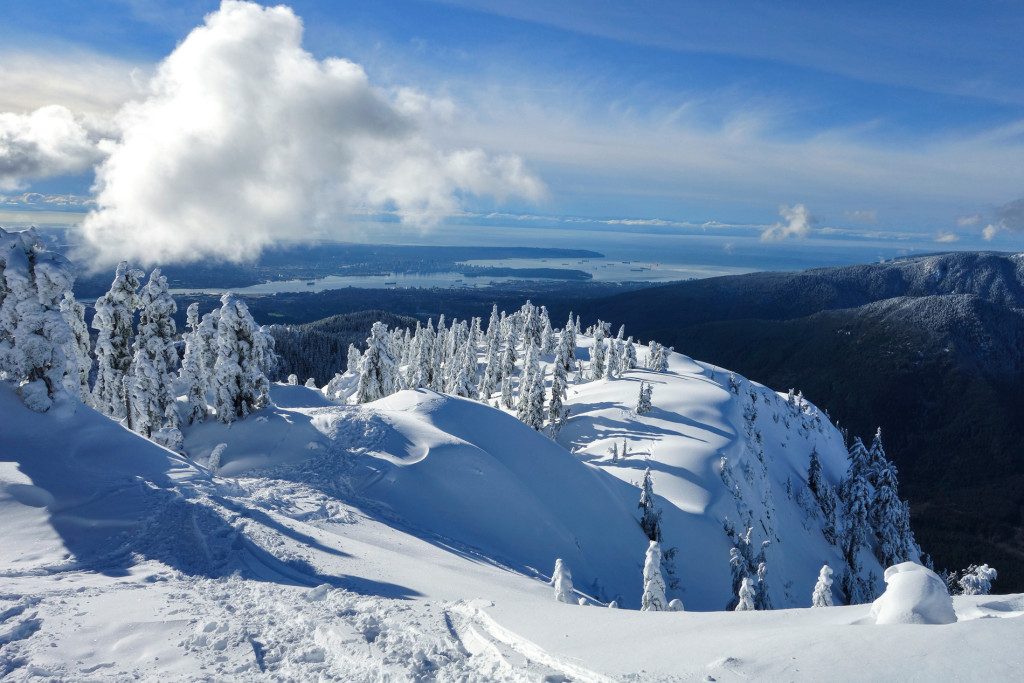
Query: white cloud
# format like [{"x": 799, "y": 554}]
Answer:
[
  {"x": 1009, "y": 218},
  {"x": 84, "y": 82},
  {"x": 968, "y": 221},
  {"x": 48, "y": 142},
  {"x": 947, "y": 237},
  {"x": 861, "y": 216},
  {"x": 245, "y": 139},
  {"x": 798, "y": 222}
]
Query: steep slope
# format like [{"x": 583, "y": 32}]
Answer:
[{"x": 931, "y": 352}]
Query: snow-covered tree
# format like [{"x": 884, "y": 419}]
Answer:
[
  {"x": 561, "y": 579},
  {"x": 650, "y": 516},
  {"x": 194, "y": 374},
  {"x": 598, "y": 356},
  {"x": 653, "y": 599},
  {"x": 115, "y": 313},
  {"x": 74, "y": 315},
  {"x": 657, "y": 358},
  {"x": 568, "y": 337},
  {"x": 352, "y": 359},
  {"x": 240, "y": 383},
  {"x": 559, "y": 389},
  {"x": 377, "y": 367},
  {"x": 886, "y": 517},
  {"x": 856, "y": 499},
  {"x": 629, "y": 360},
  {"x": 37, "y": 346},
  {"x": 612, "y": 366},
  {"x": 149, "y": 383},
  {"x": 746, "y": 595},
  {"x": 531, "y": 391},
  {"x": 977, "y": 580},
  {"x": 643, "y": 402},
  {"x": 822, "y": 596}
]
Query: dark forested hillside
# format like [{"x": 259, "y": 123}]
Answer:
[
  {"x": 320, "y": 349},
  {"x": 931, "y": 349}
]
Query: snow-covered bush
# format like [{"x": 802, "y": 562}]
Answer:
[
  {"x": 913, "y": 595},
  {"x": 746, "y": 595}
]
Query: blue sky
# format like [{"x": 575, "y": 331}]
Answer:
[{"x": 901, "y": 121}]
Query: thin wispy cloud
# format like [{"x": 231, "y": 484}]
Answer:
[
  {"x": 1008, "y": 218},
  {"x": 947, "y": 237}
]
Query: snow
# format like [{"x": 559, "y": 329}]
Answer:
[
  {"x": 412, "y": 538},
  {"x": 913, "y": 595}
]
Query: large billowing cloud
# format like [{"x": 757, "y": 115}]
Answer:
[
  {"x": 48, "y": 142},
  {"x": 798, "y": 222},
  {"x": 245, "y": 139}
]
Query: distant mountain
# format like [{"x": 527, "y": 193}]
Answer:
[{"x": 929, "y": 348}]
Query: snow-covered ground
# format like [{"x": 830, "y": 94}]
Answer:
[{"x": 413, "y": 538}]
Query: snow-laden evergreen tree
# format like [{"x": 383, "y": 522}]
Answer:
[
  {"x": 508, "y": 368},
  {"x": 74, "y": 316},
  {"x": 822, "y": 596},
  {"x": 492, "y": 368},
  {"x": 115, "y": 312},
  {"x": 149, "y": 384},
  {"x": 559, "y": 390},
  {"x": 977, "y": 580},
  {"x": 494, "y": 325},
  {"x": 598, "y": 354},
  {"x": 650, "y": 516},
  {"x": 194, "y": 374},
  {"x": 310, "y": 383},
  {"x": 629, "y": 361},
  {"x": 876, "y": 460},
  {"x": 614, "y": 362},
  {"x": 568, "y": 337},
  {"x": 293, "y": 380},
  {"x": 643, "y": 402},
  {"x": 240, "y": 384},
  {"x": 653, "y": 599},
  {"x": 377, "y": 367},
  {"x": 886, "y": 513},
  {"x": 561, "y": 579},
  {"x": 746, "y": 595},
  {"x": 762, "y": 599},
  {"x": 856, "y": 498},
  {"x": 657, "y": 358},
  {"x": 814, "y": 478},
  {"x": 744, "y": 564},
  {"x": 531, "y": 390},
  {"x": 352, "y": 359},
  {"x": 37, "y": 346},
  {"x": 547, "y": 336}
]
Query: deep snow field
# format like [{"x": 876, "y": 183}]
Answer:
[{"x": 413, "y": 539}]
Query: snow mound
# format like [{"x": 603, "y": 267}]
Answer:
[{"x": 913, "y": 595}]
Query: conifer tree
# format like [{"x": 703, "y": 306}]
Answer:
[
  {"x": 37, "y": 346},
  {"x": 568, "y": 336},
  {"x": 614, "y": 361},
  {"x": 886, "y": 511},
  {"x": 629, "y": 361},
  {"x": 643, "y": 403},
  {"x": 377, "y": 367},
  {"x": 653, "y": 599},
  {"x": 650, "y": 516},
  {"x": 240, "y": 384},
  {"x": 559, "y": 388},
  {"x": 822, "y": 596},
  {"x": 855, "y": 496},
  {"x": 531, "y": 391},
  {"x": 561, "y": 579},
  {"x": 746, "y": 595},
  {"x": 193, "y": 373},
  {"x": 113, "y": 320},
  {"x": 597, "y": 353},
  {"x": 149, "y": 385},
  {"x": 74, "y": 315}
]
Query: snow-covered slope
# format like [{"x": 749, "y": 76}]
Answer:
[{"x": 411, "y": 539}]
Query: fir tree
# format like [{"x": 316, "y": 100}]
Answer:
[
  {"x": 559, "y": 390},
  {"x": 629, "y": 361},
  {"x": 377, "y": 367},
  {"x": 822, "y": 596},
  {"x": 149, "y": 385},
  {"x": 653, "y": 599},
  {"x": 643, "y": 403},
  {"x": 650, "y": 516},
  {"x": 115, "y": 312},
  {"x": 561, "y": 579},
  {"x": 193, "y": 374},
  {"x": 74, "y": 315},
  {"x": 37, "y": 346},
  {"x": 240, "y": 383},
  {"x": 531, "y": 391},
  {"x": 597, "y": 353},
  {"x": 977, "y": 580},
  {"x": 886, "y": 512},
  {"x": 568, "y": 337},
  {"x": 746, "y": 595},
  {"x": 612, "y": 368}
]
